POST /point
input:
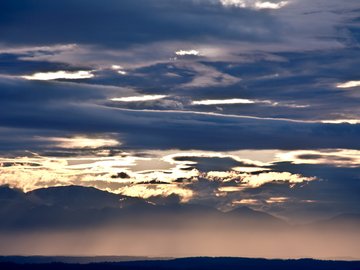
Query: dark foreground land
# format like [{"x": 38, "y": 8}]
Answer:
[{"x": 194, "y": 264}]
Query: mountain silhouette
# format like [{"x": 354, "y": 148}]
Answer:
[
  {"x": 247, "y": 212},
  {"x": 76, "y": 197},
  {"x": 82, "y": 207},
  {"x": 76, "y": 206}
]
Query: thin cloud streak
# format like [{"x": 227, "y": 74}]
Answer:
[
  {"x": 68, "y": 75},
  {"x": 139, "y": 98},
  {"x": 349, "y": 84}
]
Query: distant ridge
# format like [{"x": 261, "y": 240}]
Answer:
[
  {"x": 80, "y": 207},
  {"x": 73, "y": 259},
  {"x": 196, "y": 263},
  {"x": 74, "y": 206}
]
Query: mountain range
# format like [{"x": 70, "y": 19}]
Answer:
[{"x": 79, "y": 207}]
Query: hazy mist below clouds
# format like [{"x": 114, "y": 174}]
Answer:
[
  {"x": 49, "y": 223},
  {"x": 226, "y": 240}
]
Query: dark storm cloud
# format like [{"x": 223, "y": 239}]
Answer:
[{"x": 122, "y": 23}]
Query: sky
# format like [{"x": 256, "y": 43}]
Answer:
[{"x": 221, "y": 103}]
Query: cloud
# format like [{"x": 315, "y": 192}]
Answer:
[
  {"x": 349, "y": 84},
  {"x": 148, "y": 191},
  {"x": 189, "y": 176},
  {"x": 248, "y": 180},
  {"x": 82, "y": 142},
  {"x": 189, "y": 52},
  {"x": 246, "y": 201},
  {"x": 256, "y": 132},
  {"x": 223, "y": 102},
  {"x": 119, "y": 69},
  {"x": 271, "y": 5},
  {"x": 254, "y": 4},
  {"x": 334, "y": 157},
  {"x": 178, "y": 175},
  {"x": 139, "y": 98},
  {"x": 245, "y": 101},
  {"x": 207, "y": 76},
  {"x": 339, "y": 121},
  {"x": 267, "y": 177},
  {"x": 121, "y": 72},
  {"x": 120, "y": 16},
  {"x": 277, "y": 200},
  {"x": 68, "y": 75}
]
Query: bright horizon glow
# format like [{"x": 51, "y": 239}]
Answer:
[
  {"x": 139, "y": 98},
  {"x": 69, "y": 75}
]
